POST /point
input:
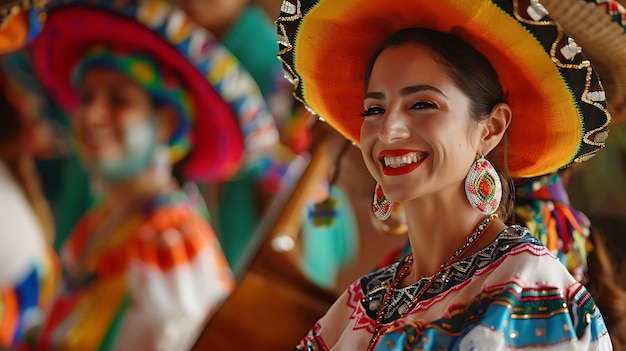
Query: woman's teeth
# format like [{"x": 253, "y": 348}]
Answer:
[{"x": 400, "y": 161}]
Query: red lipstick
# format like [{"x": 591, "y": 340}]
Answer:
[{"x": 399, "y": 170}]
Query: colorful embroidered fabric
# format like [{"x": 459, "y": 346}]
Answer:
[
  {"x": 150, "y": 283},
  {"x": 544, "y": 206},
  {"x": 509, "y": 295},
  {"x": 28, "y": 267}
]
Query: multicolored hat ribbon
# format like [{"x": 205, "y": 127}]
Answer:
[
  {"x": 544, "y": 206},
  {"x": 163, "y": 86},
  {"x": 559, "y": 109}
]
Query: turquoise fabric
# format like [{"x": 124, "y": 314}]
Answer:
[
  {"x": 326, "y": 249},
  {"x": 252, "y": 39},
  {"x": 238, "y": 217},
  {"x": 72, "y": 200}
]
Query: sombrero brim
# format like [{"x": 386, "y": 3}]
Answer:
[
  {"x": 603, "y": 39},
  {"x": 325, "y": 47},
  {"x": 216, "y": 138}
]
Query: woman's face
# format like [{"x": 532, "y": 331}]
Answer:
[
  {"x": 217, "y": 16},
  {"x": 417, "y": 138},
  {"x": 114, "y": 125}
]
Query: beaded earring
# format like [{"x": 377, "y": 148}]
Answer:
[
  {"x": 395, "y": 225},
  {"x": 482, "y": 186},
  {"x": 381, "y": 206}
]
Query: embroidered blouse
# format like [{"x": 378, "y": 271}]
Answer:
[{"x": 512, "y": 294}]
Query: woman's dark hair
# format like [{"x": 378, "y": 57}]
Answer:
[{"x": 471, "y": 72}]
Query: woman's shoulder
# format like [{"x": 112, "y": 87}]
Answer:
[{"x": 517, "y": 253}]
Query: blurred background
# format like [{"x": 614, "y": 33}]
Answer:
[{"x": 292, "y": 222}]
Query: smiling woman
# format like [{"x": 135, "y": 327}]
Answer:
[
  {"x": 449, "y": 114},
  {"x": 119, "y": 125}
]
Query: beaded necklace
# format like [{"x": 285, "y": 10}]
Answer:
[{"x": 404, "y": 269}]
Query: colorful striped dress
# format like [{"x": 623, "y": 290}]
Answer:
[
  {"x": 511, "y": 295},
  {"x": 148, "y": 285}
]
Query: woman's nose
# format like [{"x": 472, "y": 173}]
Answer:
[
  {"x": 393, "y": 127},
  {"x": 93, "y": 112}
]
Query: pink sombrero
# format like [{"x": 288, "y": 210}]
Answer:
[
  {"x": 230, "y": 115},
  {"x": 558, "y": 103}
]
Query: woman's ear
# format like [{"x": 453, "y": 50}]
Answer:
[
  {"x": 495, "y": 127},
  {"x": 167, "y": 122}
]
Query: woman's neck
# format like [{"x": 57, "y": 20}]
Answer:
[
  {"x": 143, "y": 186},
  {"x": 438, "y": 227}
]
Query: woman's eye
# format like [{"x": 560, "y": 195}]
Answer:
[
  {"x": 372, "y": 111},
  {"x": 424, "y": 104},
  {"x": 85, "y": 98},
  {"x": 118, "y": 100}
]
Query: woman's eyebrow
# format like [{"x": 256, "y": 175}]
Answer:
[
  {"x": 405, "y": 91},
  {"x": 417, "y": 88}
]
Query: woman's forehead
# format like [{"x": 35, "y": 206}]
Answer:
[{"x": 412, "y": 67}]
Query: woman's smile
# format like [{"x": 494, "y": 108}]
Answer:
[{"x": 397, "y": 162}]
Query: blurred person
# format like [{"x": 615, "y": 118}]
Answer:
[
  {"x": 150, "y": 112},
  {"x": 28, "y": 266}
]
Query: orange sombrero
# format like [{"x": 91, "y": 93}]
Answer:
[{"x": 558, "y": 103}]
